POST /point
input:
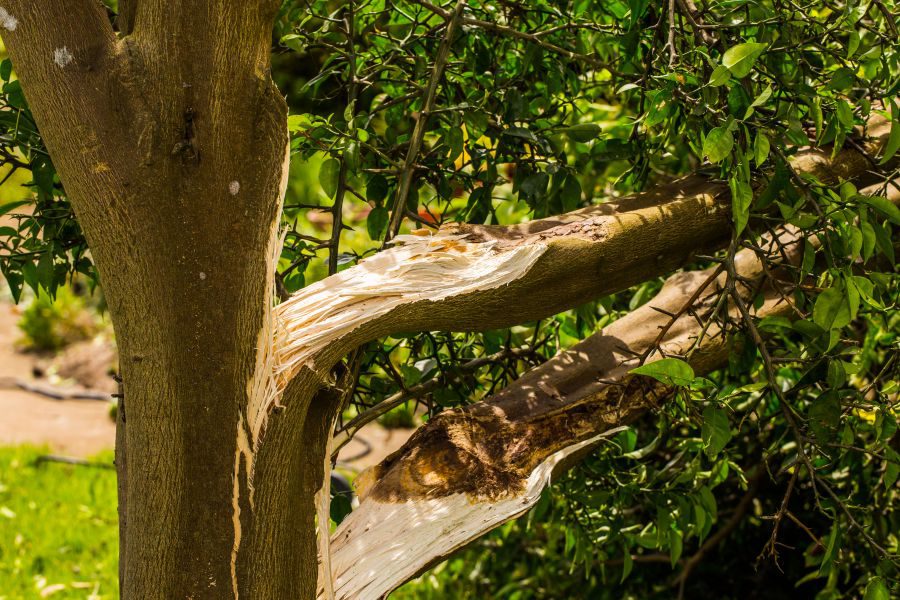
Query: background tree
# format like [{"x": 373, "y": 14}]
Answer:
[{"x": 778, "y": 343}]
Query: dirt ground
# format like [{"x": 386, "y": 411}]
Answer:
[
  {"x": 82, "y": 428},
  {"x": 71, "y": 427}
]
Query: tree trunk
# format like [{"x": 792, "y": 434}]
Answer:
[{"x": 171, "y": 143}]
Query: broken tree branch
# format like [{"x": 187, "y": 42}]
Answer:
[
  {"x": 471, "y": 469},
  {"x": 473, "y": 278}
]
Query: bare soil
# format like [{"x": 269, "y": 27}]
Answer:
[{"x": 72, "y": 427}]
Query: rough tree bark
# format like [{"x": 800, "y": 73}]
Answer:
[{"x": 171, "y": 142}]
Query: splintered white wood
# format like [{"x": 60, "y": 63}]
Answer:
[
  {"x": 380, "y": 545},
  {"x": 419, "y": 267}
]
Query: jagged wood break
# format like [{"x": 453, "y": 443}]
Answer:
[{"x": 475, "y": 278}]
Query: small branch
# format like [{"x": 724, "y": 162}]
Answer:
[
  {"x": 337, "y": 209},
  {"x": 888, "y": 17},
  {"x": 782, "y": 511},
  {"x": 805, "y": 529},
  {"x": 418, "y": 135},
  {"x": 687, "y": 306},
  {"x": 670, "y": 42},
  {"x": 53, "y": 392},
  {"x": 534, "y": 38},
  {"x": 690, "y": 12}
]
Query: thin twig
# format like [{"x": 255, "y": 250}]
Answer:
[
  {"x": 534, "y": 38},
  {"x": 337, "y": 209},
  {"x": 782, "y": 511},
  {"x": 418, "y": 135}
]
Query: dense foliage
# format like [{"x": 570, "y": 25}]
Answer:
[{"x": 414, "y": 114}]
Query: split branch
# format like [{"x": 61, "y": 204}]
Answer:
[
  {"x": 474, "y": 278},
  {"x": 468, "y": 470}
]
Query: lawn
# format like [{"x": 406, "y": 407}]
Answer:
[{"x": 58, "y": 528}]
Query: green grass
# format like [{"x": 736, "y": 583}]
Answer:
[{"x": 58, "y": 529}]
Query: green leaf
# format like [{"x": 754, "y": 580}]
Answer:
[
  {"x": 832, "y": 550},
  {"x": 627, "y": 564},
  {"x": 675, "y": 546},
  {"x": 10, "y": 206},
  {"x": 42, "y": 171},
  {"x": 351, "y": 155},
  {"x": 741, "y": 199},
  {"x": 891, "y": 467},
  {"x": 14, "y": 280},
  {"x": 760, "y": 100},
  {"x": 883, "y": 240},
  {"x": 15, "y": 97},
  {"x": 893, "y": 143},
  {"x": 376, "y": 222},
  {"x": 825, "y": 416},
  {"x": 570, "y": 194},
  {"x": 535, "y": 185},
  {"x": 341, "y": 506},
  {"x": 720, "y": 76},
  {"x": 628, "y": 86},
  {"x": 328, "y": 176},
  {"x": 716, "y": 430},
  {"x": 815, "y": 111},
  {"x": 298, "y": 122},
  {"x": 377, "y": 189},
  {"x": 411, "y": 375},
  {"x": 842, "y": 79},
  {"x": 852, "y": 43},
  {"x": 884, "y": 206},
  {"x": 701, "y": 521},
  {"x": 869, "y": 240},
  {"x": 718, "y": 143},
  {"x": 671, "y": 371},
  {"x": 844, "y": 114},
  {"x": 876, "y": 590},
  {"x": 741, "y": 58},
  {"x": 832, "y": 309},
  {"x": 585, "y": 132},
  {"x": 761, "y": 146}
]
